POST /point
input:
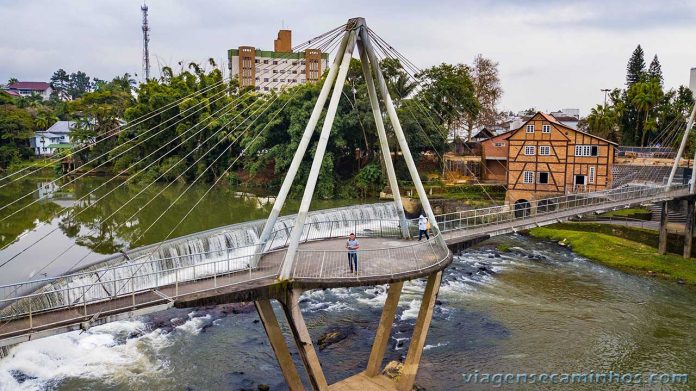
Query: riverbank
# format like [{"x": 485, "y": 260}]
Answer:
[{"x": 624, "y": 248}]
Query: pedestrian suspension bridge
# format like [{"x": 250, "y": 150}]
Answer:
[{"x": 287, "y": 255}]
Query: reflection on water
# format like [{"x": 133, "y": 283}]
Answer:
[
  {"x": 538, "y": 308},
  {"x": 78, "y": 223}
]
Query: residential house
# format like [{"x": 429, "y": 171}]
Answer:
[
  {"x": 546, "y": 158},
  {"x": 29, "y": 88},
  {"x": 57, "y": 137}
]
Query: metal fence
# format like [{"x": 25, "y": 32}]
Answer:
[{"x": 545, "y": 209}]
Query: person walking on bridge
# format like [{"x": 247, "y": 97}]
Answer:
[
  {"x": 422, "y": 227},
  {"x": 352, "y": 246}
]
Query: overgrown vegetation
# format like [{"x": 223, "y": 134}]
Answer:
[{"x": 625, "y": 248}]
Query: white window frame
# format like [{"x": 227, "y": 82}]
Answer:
[
  {"x": 529, "y": 150},
  {"x": 530, "y": 128},
  {"x": 591, "y": 174},
  {"x": 548, "y": 177},
  {"x": 585, "y": 150},
  {"x": 528, "y": 177},
  {"x": 546, "y": 129},
  {"x": 543, "y": 148}
]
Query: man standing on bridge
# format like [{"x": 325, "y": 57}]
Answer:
[
  {"x": 423, "y": 227},
  {"x": 352, "y": 246}
]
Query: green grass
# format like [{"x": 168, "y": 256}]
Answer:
[
  {"x": 623, "y": 254},
  {"x": 634, "y": 213}
]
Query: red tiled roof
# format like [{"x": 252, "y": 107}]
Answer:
[
  {"x": 12, "y": 93},
  {"x": 29, "y": 85}
]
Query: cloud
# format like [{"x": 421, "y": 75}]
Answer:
[{"x": 552, "y": 54}]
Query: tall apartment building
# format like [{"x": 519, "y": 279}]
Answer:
[{"x": 267, "y": 70}]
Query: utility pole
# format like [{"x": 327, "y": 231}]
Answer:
[
  {"x": 146, "y": 41},
  {"x": 605, "y": 90}
]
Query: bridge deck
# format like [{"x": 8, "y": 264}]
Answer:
[{"x": 319, "y": 264}]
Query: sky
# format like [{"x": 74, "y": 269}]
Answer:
[{"x": 551, "y": 54}]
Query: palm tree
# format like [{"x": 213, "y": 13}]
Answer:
[
  {"x": 644, "y": 96},
  {"x": 400, "y": 87}
]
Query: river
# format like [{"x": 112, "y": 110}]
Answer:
[{"x": 537, "y": 308}]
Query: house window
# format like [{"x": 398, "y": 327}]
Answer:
[
  {"x": 265, "y": 61},
  {"x": 256, "y": 61},
  {"x": 579, "y": 180},
  {"x": 591, "y": 178},
  {"x": 546, "y": 129},
  {"x": 529, "y": 150},
  {"x": 265, "y": 79},
  {"x": 528, "y": 177},
  {"x": 275, "y": 80},
  {"x": 265, "y": 88},
  {"x": 499, "y": 144},
  {"x": 530, "y": 128},
  {"x": 294, "y": 63},
  {"x": 586, "y": 150},
  {"x": 275, "y": 71},
  {"x": 275, "y": 62},
  {"x": 545, "y": 150},
  {"x": 543, "y": 178}
]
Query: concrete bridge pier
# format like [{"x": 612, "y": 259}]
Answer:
[
  {"x": 689, "y": 222},
  {"x": 662, "y": 244},
  {"x": 369, "y": 379},
  {"x": 689, "y": 228}
]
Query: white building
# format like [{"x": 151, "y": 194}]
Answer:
[
  {"x": 267, "y": 70},
  {"x": 568, "y": 117},
  {"x": 29, "y": 88},
  {"x": 56, "y": 137}
]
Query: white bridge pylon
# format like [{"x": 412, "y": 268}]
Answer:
[{"x": 356, "y": 34}]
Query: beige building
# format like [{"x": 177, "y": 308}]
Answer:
[{"x": 267, "y": 70}]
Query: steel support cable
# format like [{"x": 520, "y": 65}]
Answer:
[
  {"x": 115, "y": 131},
  {"x": 326, "y": 43},
  {"x": 229, "y": 167},
  {"x": 670, "y": 132},
  {"x": 143, "y": 118},
  {"x": 113, "y": 157},
  {"x": 141, "y": 193},
  {"x": 110, "y": 191},
  {"x": 137, "y": 121},
  {"x": 419, "y": 105},
  {"x": 188, "y": 188},
  {"x": 181, "y": 175},
  {"x": 654, "y": 171},
  {"x": 123, "y": 183},
  {"x": 143, "y": 190}
]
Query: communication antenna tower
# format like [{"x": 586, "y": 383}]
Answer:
[{"x": 146, "y": 41}]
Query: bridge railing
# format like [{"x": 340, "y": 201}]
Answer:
[
  {"x": 130, "y": 283},
  {"x": 550, "y": 206},
  {"x": 134, "y": 284},
  {"x": 323, "y": 264}
]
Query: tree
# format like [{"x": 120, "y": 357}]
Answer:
[
  {"x": 644, "y": 96},
  {"x": 487, "y": 89},
  {"x": 635, "y": 70},
  {"x": 448, "y": 91},
  {"x": 12, "y": 80},
  {"x": 16, "y": 127},
  {"x": 60, "y": 81},
  {"x": 604, "y": 123},
  {"x": 655, "y": 70}
]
